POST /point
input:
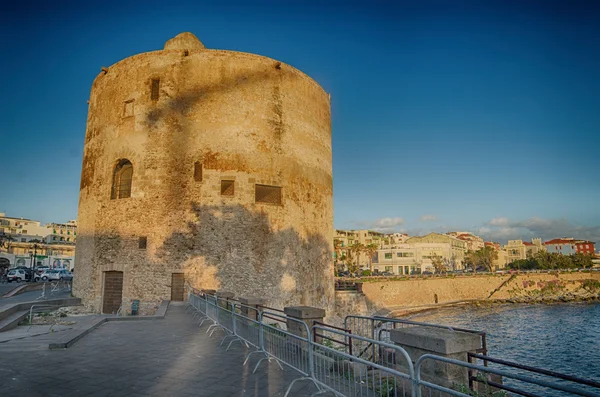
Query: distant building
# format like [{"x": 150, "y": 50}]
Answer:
[
  {"x": 569, "y": 246},
  {"x": 585, "y": 247},
  {"x": 62, "y": 232},
  {"x": 344, "y": 239},
  {"x": 474, "y": 242},
  {"x": 31, "y": 244},
  {"x": 450, "y": 248},
  {"x": 22, "y": 229},
  {"x": 519, "y": 249}
]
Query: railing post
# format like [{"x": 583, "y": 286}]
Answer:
[
  {"x": 225, "y": 296},
  {"x": 308, "y": 315},
  {"x": 449, "y": 343},
  {"x": 251, "y": 302}
]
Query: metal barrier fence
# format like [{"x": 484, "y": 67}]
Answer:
[
  {"x": 387, "y": 370},
  {"x": 379, "y": 328}
]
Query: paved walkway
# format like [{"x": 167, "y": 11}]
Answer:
[
  {"x": 170, "y": 357},
  {"x": 31, "y": 296}
]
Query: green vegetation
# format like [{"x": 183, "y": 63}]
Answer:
[
  {"x": 487, "y": 392},
  {"x": 553, "y": 261},
  {"x": 483, "y": 257},
  {"x": 590, "y": 285},
  {"x": 438, "y": 263}
]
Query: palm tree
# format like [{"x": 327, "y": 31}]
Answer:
[
  {"x": 337, "y": 249},
  {"x": 357, "y": 248},
  {"x": 370, "y": 250}
]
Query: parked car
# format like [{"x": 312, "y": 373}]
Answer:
[
  {"x": 18, "y": 275},
  {"x": 60, "y": 274},
  {"x": 43, "y": 275}
]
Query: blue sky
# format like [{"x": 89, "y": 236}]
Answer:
[{"x": 451, "y": 115}]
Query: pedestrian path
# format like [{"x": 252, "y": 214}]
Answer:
[{"x": 168, "y": 357}]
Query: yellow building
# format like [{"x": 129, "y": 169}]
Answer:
[
  {"x": 519, "y": 249},
  {"x": 344, "y": 239}
]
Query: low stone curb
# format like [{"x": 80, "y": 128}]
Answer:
[
  {"x": 23, "y": 288},
  {"x": 160, "y": 315}
]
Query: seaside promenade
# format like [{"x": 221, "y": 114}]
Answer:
[{"x": 167, "y": 357}]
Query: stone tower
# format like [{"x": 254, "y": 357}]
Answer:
[{"x": 207, "y": 168}]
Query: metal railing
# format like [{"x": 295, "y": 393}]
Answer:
[
  {"x": 387, "y": 370},
  {"x": 379, "y": 328}
]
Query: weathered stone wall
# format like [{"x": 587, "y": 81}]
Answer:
[
  {"x": 245, "y": 118},
  {"x": 418, "y": 292}
]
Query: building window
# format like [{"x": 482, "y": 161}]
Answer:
[
  {"x": 142, "y": 243},
  {"x": 388, "y": 255},
  {"x": 128, "y": 108},
  {"x": 267, "y": 194},
  {"x": 198, "y": 171},
  {"x": 227, "y": 188},
  {"x": 155, "y": 89},
  {"x": 122, "y": 178},
  {"x": 24, "y": 231}
]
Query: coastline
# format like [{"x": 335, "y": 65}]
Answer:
[{"x": 407, "y": 312}]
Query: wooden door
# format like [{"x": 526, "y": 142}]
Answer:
[
  {"x": 112, "y": 293},
  {"x": 177, "y": 286}
]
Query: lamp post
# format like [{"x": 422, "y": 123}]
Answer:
[{"x": 34, "y": 260}]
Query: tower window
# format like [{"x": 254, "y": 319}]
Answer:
[
  {"x": 155, "y": 88},
  {"x": 267, "y": 194},
  {"x": 142, "y": 243},
  {"x": 227, "y": 188},
  {"x": 128, "y": 108},
  {"x": 122, "y": 178},
  {"x": 198, "y": 171}
]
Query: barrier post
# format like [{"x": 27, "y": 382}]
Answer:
[
  {"x": 224, "y": 298},
  {"x": 447, "y": 343},
  {"x": 249, "y": 303},
  {"x": 306, "y": 314}
]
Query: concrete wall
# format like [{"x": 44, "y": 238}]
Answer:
[
  {"x": 431, "y": 291},
  {"x": 246, "y": 118}
]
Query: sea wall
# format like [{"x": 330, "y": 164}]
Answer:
[{"x": 527, "y": 287}]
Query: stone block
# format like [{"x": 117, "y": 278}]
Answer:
[
  {"x": 304, "y": 312},
  {"x": 418, "y": 341},
  {"x": 250, "y": 307},
  {"x": 307, "y": 315},
  {"x": 436, "y": 340}
]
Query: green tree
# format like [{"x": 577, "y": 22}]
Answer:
[
  {"x": 582, "y": 261},
  {"x": 438, "y": 263},
  {"x": 352, "y": 267},
  {"x": 337, "y": 249},
  {"x": 356, "y": 249},
  {"x": 469, "y": 261},
  {"x": 486, "y": 256},
  {"x": 370, "y": 250}
]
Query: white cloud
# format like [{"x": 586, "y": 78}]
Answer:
[
  {"x": 385, "y": 225},
  {"x": 428, "y": 217},
  {"x": 502, "y": 229},
  {"x": 499, "y": 222}
]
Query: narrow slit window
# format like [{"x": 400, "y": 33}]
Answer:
[
  {"x": 128, "y": 108},
  {"x": 143, "y": 242},
  {"x": 198, "y": 171},
  {"x": 227, "y": 188},
  {"x": 155, "y": 89},
  {"x": 267, "y": 194}
]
